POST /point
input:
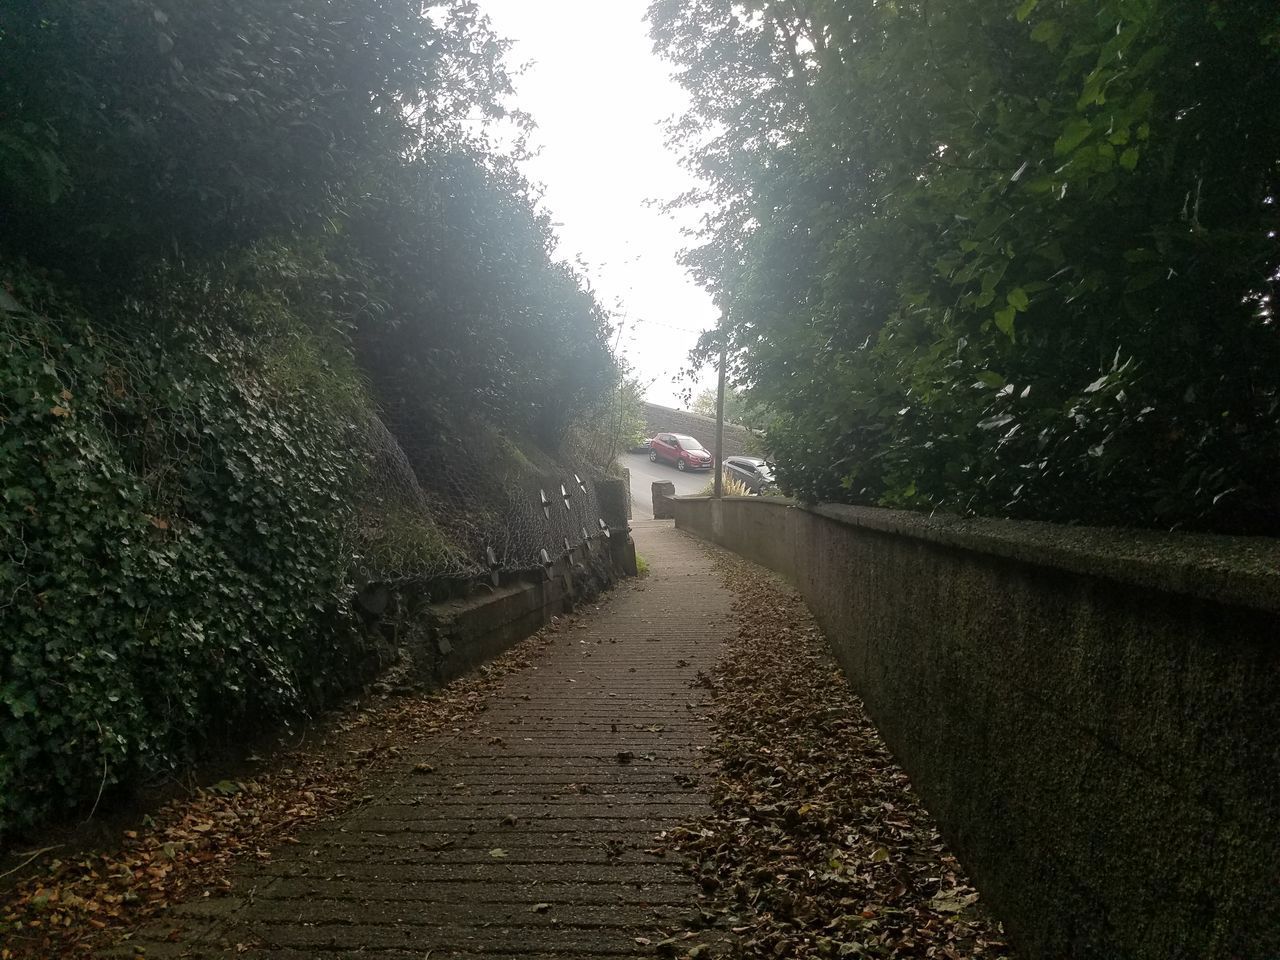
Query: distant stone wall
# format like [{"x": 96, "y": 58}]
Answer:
[
  {"x": 1093, "y": 716},
  {"x": 737, "y": 440}
]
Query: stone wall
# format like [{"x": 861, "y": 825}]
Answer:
[
  {"x": 462, "y": 634},
  {"x": 737, "y": 440},
  {"x": 1092, "y": 715}
]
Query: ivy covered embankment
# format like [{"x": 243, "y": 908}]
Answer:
[
  {"x": 176, "y": 509},
  {"x": 261, "y": 265}
]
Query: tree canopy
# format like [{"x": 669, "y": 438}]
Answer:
[
  {"x": 135, "y": 130},
  {"x": 739, "y": 407},
  {"x": 1014, "y": 257},
  {"x": 135, "y": 134}
]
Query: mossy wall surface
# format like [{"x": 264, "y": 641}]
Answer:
[{"x": 1100, "y": 741}]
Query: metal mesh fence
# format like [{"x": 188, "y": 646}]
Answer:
[{"x": 468, "y": 503}]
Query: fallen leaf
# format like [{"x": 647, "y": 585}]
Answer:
[{"x": 808, "y": 804}]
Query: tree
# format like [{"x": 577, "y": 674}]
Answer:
[
  {"x": 134, "y": 135},
  {"x": 132, "y": 132},
  {"x": 610, "y": 426},
  {"x": 739, "y": 408},
  {"x": 997, "y": 257}
]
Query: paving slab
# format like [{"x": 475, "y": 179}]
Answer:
[{"x": 532, "y": 832}]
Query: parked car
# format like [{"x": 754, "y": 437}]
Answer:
[
  {"x": 685, "y": 453},
  {"x": 752, "y": 472},
  {"x": 641, "y": 447}
]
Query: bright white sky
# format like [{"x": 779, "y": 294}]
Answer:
[{"x": 599, "y": 95}]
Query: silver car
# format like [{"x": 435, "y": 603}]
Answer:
[{"x": 752, "y": 472}]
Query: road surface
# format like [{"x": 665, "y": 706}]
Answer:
[{"x": 644, "y": 473}]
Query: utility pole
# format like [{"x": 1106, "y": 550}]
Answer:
[{"x": 718, "y": 466}]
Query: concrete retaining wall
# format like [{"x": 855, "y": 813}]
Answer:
[
  {"x": 434, "y": 642},
  {"x": 462, "y": 634},
  {"x": 1092, "y": 715}
]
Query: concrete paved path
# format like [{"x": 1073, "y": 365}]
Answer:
[{"x": 529, "y": 835}]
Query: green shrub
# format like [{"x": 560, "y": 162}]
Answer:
[{"x": 291, "y": 277}]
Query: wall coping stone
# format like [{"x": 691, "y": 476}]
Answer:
[{"x": 1239, "y": 570}]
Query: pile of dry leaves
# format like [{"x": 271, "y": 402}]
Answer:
[
  {"x": 74, "y": 905},
  {"x": 817, "y": 846}
]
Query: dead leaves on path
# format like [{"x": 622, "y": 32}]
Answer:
[
  {"x": 74, "y": 905},
  {"x": 817, "y": 846},
  {"x": 186, "y": 844}
]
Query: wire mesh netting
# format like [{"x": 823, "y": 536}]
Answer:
[{"x": 468, "y": 503}]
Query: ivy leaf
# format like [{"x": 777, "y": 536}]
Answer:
[
  {"x": 1048, "y": 32},
  {"x": 1076, "y": 132},
  {"x": 1004, "y": 321},
  {"x": 22, "y": 704}
]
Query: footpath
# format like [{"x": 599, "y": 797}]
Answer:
[{"x": 532, "y": 832}]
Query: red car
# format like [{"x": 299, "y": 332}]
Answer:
[{"x": 685, "y": 452}]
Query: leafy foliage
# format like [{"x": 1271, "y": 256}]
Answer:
[
  {"x": 473, "y": 314},
  {"x": 253, "y": 235},
  {"x": 175, "y": 525},
  {"x": 137, "y": 133},
  {"x": 739, "y": 407},
  {"x": 133, "y": 129},
  {"x": 612, "y": 425},
  {"x": 82, "y": 906},
  {"x": 1010, "y": 258}
]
